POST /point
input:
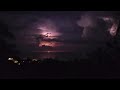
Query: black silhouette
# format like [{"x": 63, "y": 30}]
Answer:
[{"x": 7, "y": 48}]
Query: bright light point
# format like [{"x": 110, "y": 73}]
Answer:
[
  {"x": 18, "y": 63},
  {"x": 48, "y": 51},
  {"x": 10, "y": 58}
]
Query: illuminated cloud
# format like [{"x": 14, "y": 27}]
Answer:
[
  {"x": 49, "y": 44},
  {"x": 107, "y": 19},
  {"x": 50, "y": 31},
  {"x": 49, "y": 28},
  {"x": 114, "y": 25},
  {"x": 87, "y": 22},
  {"x": 113, "y": 29}
]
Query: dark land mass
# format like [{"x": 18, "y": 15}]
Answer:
[{"x": 60, "y": 70}]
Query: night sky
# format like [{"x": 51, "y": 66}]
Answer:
[{"x": 60, "y": 31}]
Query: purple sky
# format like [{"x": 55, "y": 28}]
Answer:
[{"x": 68, "y": 30}]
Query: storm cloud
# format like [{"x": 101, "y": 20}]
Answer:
[{"x": 70, "y": 29}]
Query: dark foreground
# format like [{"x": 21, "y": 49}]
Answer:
[{"x": 59, "y": 71}]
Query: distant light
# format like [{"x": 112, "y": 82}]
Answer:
[
  {"x": 23, "y": 61},
  {"x": 18, "y": 63},
  {"x": 15, "y": 61},
  {"x": 34, "y": 60},
  {"x": 10, "y": 58}
]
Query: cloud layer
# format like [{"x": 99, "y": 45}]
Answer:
[{"x": 63, "y": 29}]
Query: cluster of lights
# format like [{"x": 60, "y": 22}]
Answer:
[{"x": 15, "y": 61}]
